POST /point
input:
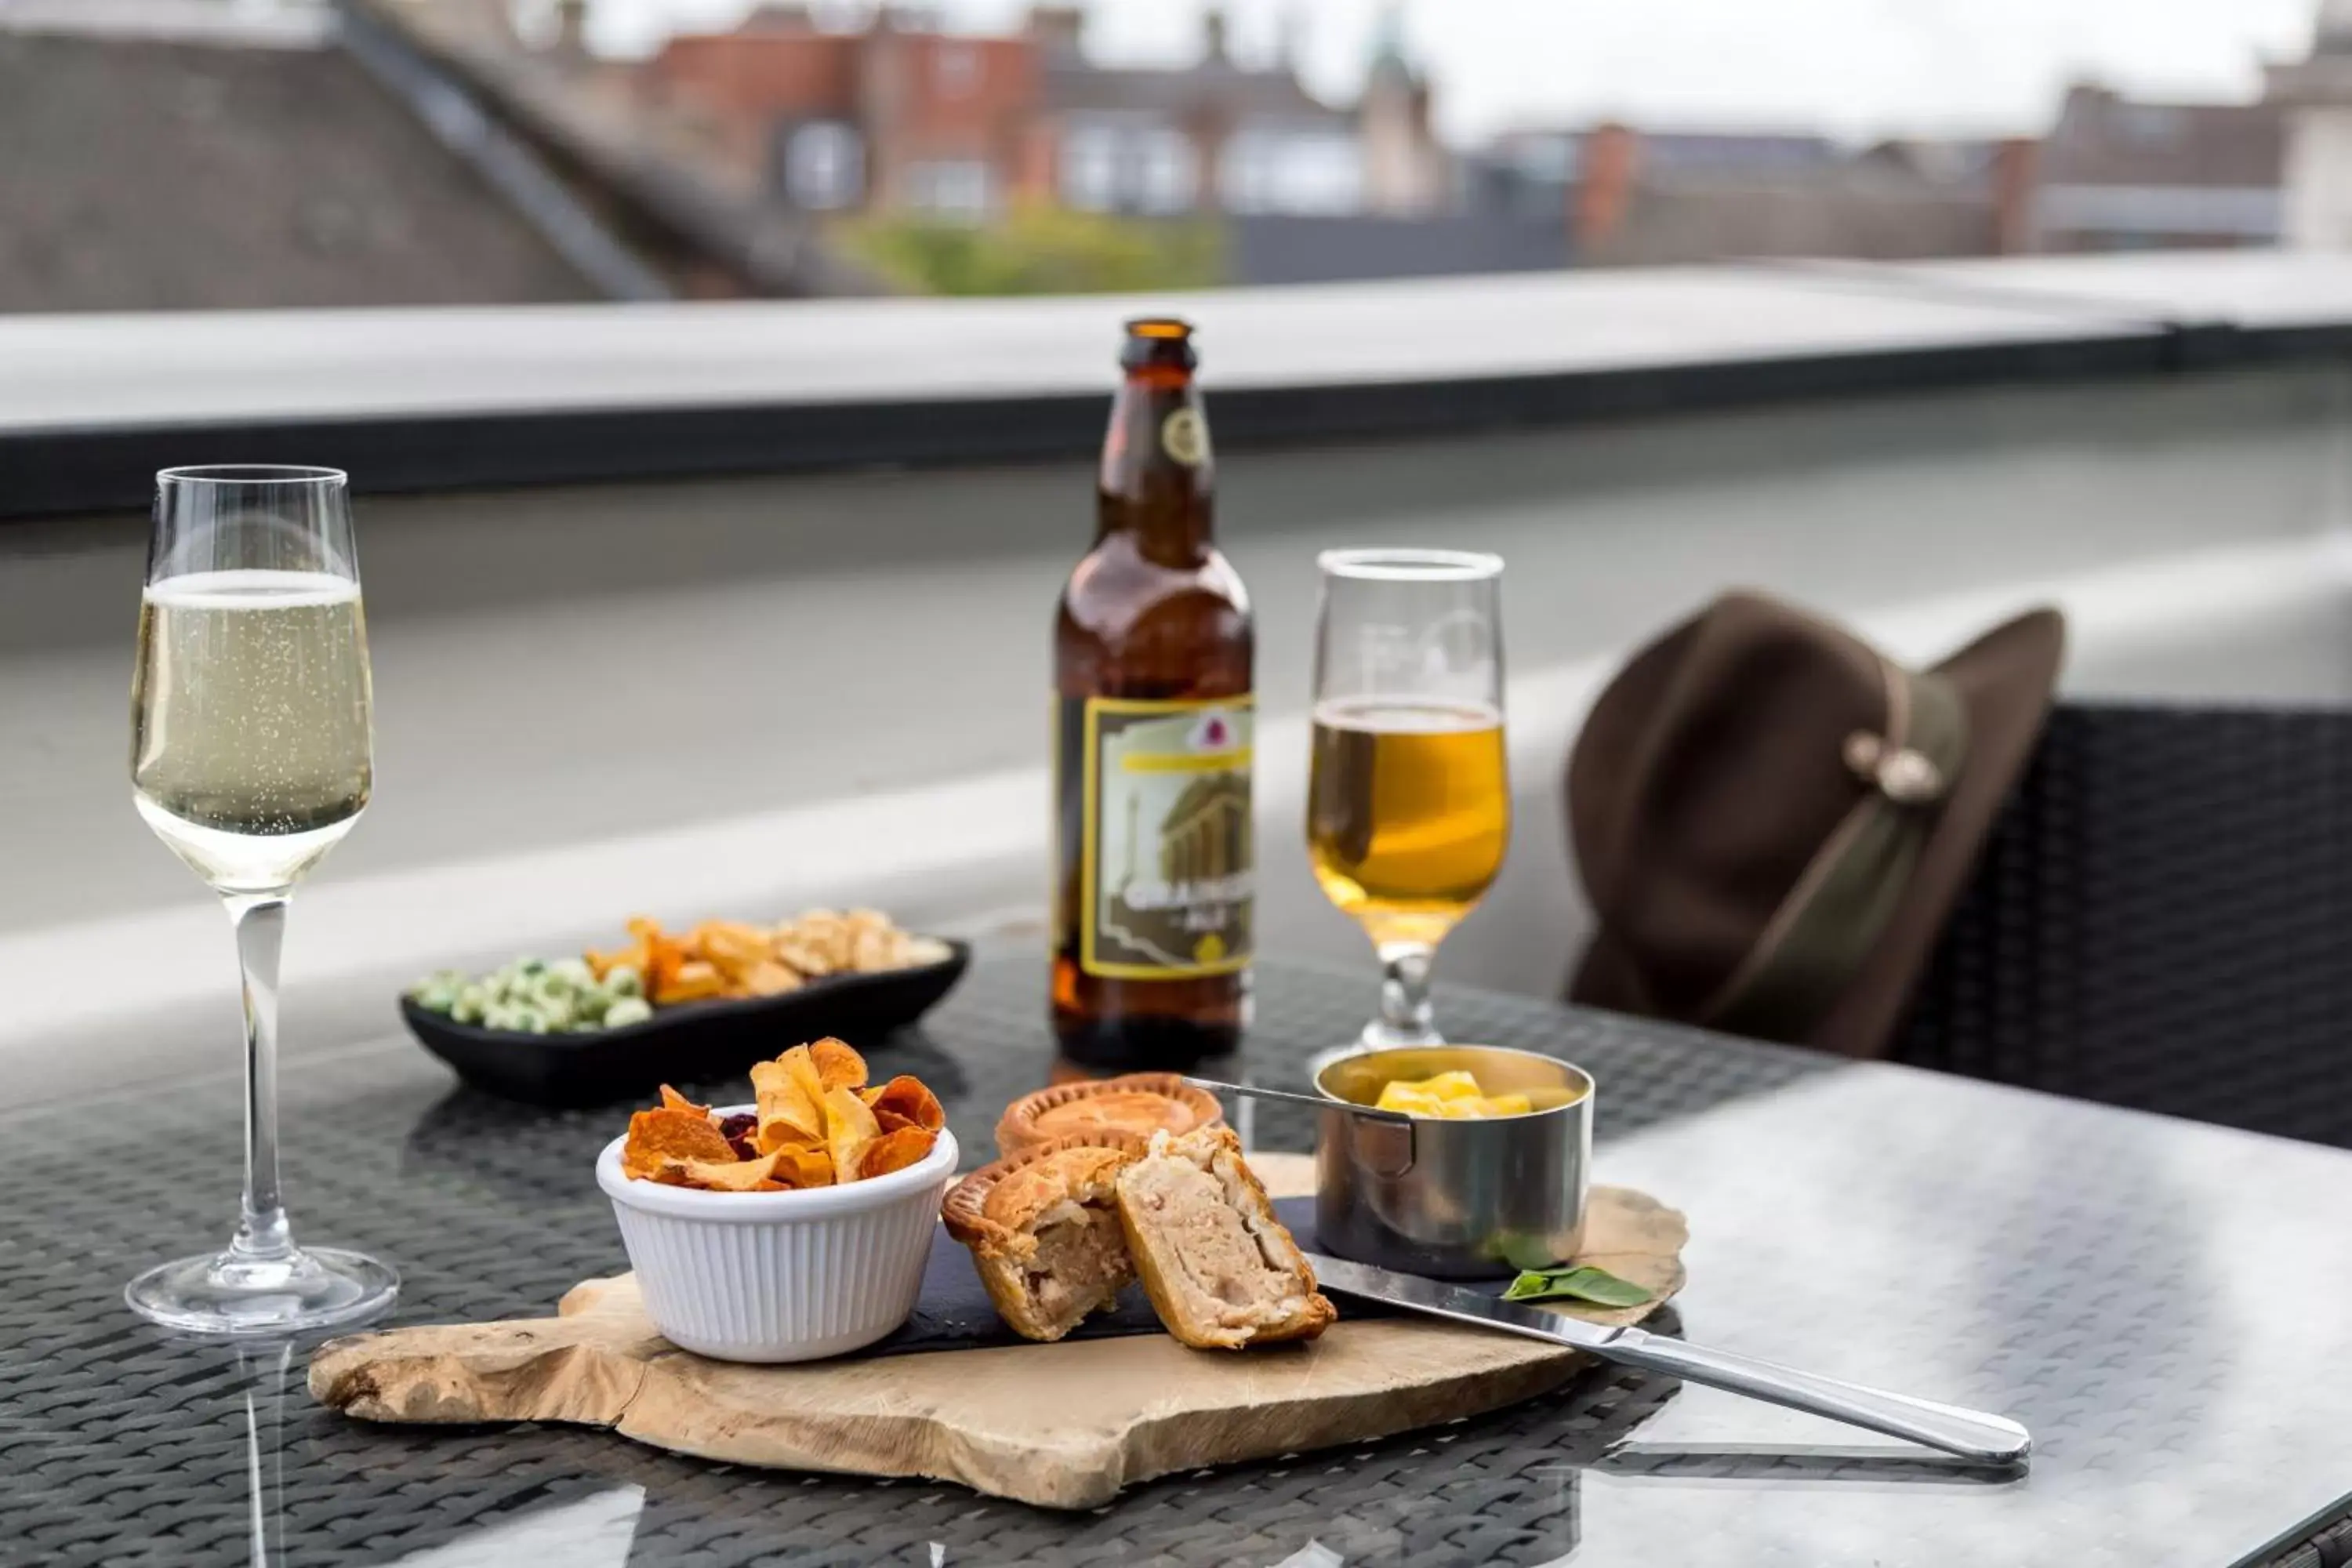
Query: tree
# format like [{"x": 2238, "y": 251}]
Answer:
[{"x": 1038, "y": 250}]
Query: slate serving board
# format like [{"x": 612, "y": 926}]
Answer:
[
  {"x": 954, "y": 1312},
  {"x": 1061, "y": 1425}
]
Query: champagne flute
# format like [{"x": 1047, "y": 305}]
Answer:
[
  {"x": 1409, "y": 801},
  {"x": 250, "y": 758}
]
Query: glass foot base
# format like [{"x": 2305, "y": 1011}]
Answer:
[
  {"x": 1381, "y": 1034},
  {"x": 313, "y": 1287}
]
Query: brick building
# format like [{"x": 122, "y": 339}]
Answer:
[
  {"x": 2113, "y": 174},
  {"x": 905, "y": 117},
  {"x": 1646, "y": 198},
  {"x": 2118, "y": 174},
  {"x": 897, "y": 116}
]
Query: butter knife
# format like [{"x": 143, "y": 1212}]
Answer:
[{"x": 1971, "y": 1434}]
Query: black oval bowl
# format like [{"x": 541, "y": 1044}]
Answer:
[{"x": 692, "y": 1041}]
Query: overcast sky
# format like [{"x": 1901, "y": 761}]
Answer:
[{"x": 1855, "y": 68}]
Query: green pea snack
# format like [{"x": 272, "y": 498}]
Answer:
[{"x": 535, "y": 996}]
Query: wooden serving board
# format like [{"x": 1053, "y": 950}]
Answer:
[{"x": 1062, "y": 1426}]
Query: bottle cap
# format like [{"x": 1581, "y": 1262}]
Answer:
[{"x": 1157, "y": 341}]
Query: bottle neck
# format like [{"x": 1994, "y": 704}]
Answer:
[{"x": 1158, "y": 478}]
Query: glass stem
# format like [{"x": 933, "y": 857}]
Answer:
[
  {"x": 1405, "y": 1012},
  {"x": 262, "y": 1233}
]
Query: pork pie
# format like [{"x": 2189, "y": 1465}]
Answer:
[
  {"x": 1220, "y": 1268},
  {"x": 1045, "y": 1234}
]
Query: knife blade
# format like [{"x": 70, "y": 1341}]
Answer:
[
  {"x": 1438, "y": 1300},
  {"x": 1950, "y": 1428}
]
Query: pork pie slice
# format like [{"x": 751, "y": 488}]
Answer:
[
  {"x": 1220, "y": 1268},
  {"x": 1044, "y": 1230}
]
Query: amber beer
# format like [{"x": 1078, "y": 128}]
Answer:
[
  {"x": 1152, "y": 649},
  {"x": 1407, "y": 813}
]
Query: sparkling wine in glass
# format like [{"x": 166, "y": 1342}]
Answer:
[
  {"x": 1408, "y": 797},
  {"x": 250, "y": 758}
]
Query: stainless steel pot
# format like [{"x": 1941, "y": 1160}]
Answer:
[{"x": 1455, "y": 1200}]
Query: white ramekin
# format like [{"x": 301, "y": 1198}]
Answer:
[{"x": 772, "y": 1277}]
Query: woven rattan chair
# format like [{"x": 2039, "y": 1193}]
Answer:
[{"x": 2163, "y": 919}]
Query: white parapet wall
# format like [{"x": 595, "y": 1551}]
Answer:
[{"x": 745, "y": 697}]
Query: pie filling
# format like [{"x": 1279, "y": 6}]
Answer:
[
  {"x": 1231, "y": 1273},
  {"x": 1081, "y": 1263}
]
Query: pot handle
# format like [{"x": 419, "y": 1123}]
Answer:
[
  {"x": 1381, "y": 1147},
  {"x": 1380, "y": 1142}
]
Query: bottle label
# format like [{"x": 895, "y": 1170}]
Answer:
[
  {"x": 1166, "y": 842},
  {"x": 1184, "y": 437}
]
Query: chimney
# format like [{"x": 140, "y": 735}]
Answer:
[
  {"x": 1215, "y": 35},
  {"x": 1603, "y": 193},
  {"x": 1035, "y": 164},
  {"x": 571, "y": 29},
  {"x": 1060, "y": 30},
  {"x": 778, "y": 18},
  {"x": 487, "y": 20},
  {"x": 2016, "y": 180}
]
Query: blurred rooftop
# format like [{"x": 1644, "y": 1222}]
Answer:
[
  {"x": 245, "y": 24},
  {"x": 158, "y": 170}
]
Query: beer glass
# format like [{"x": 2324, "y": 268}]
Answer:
[
  {"x": 251, "y": 756},
  {"x": 1409, "y": 799}
]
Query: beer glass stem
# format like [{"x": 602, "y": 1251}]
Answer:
[
  {"x": 1405, "y": 1017},
  {"x": 262, "y": 1233}
]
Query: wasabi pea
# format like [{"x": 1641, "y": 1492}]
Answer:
[
  {"x": 538, "y": 996},
  {"x": 437, "y": 989},
  {"x": 551, "y": 991},
  {"x": 627, "y": 1010}
]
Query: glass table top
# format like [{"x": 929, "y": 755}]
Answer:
[{"x": 2163, "y": 1303}]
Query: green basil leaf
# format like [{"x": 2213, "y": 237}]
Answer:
[{"x": 1580, "y": 1282}]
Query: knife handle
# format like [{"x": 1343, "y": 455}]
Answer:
[{"x": 1971, "y": 1434}]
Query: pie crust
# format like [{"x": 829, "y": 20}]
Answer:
[{"x": 1136, "y": 1105}]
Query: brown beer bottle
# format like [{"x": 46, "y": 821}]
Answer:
[{"x": 1152, "y": 649}]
